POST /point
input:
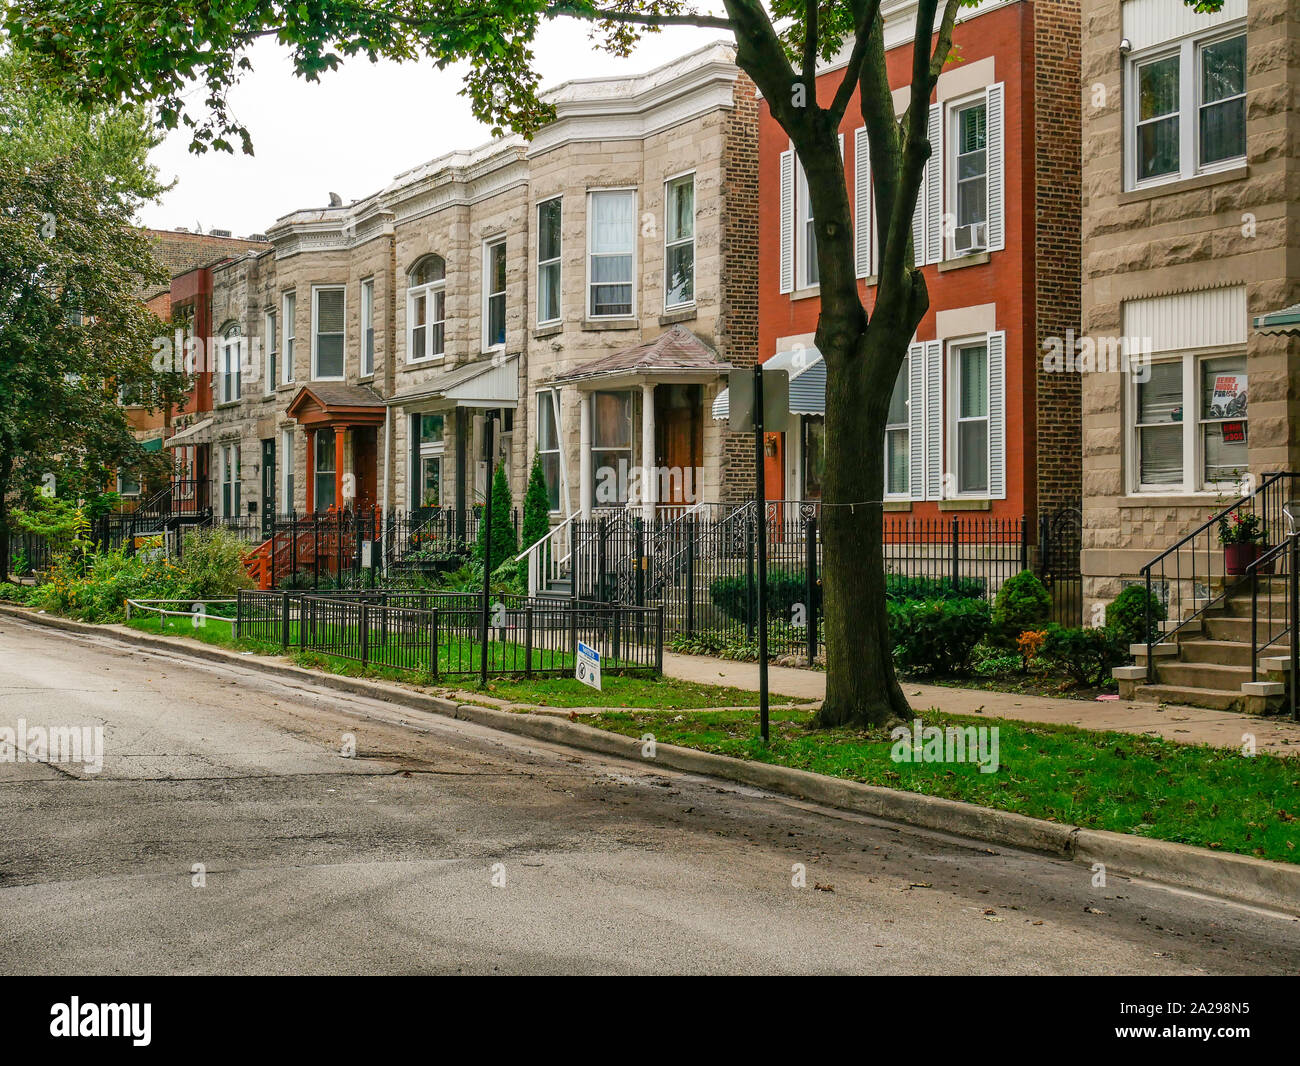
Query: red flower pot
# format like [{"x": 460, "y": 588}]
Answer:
[{"x": 1236, "y": 557}]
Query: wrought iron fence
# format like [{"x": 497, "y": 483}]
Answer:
[
  {"x": 448, "y": 634},
  {"x": 28, "y": 552}
]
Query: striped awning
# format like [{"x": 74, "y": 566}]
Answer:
[{"x": 807, "y": 370}]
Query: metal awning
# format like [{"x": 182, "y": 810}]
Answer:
[
  {"x": 1285, "y": 321},
  {"x": 807, "y": 370},
  {"x": 486, "y": 383},
  {"x": 190, "y": 435}
]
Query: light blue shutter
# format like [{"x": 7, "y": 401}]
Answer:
[
  {"x": 934, "y": 188},
  {"x": 997, "y": 348},
  {"x": 916, "y": 421},
  {"x": 787, "y": 221},
  {"x": 994, "y": 125},
  {"x": 934, "y": 420},
  {"x": 863, "y": 236}
]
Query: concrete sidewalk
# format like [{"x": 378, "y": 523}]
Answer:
[{"x": 1187, "y": 725}]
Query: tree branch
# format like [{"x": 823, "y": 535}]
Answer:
[
  {"x": 810, "y": 48},
  {"x": 638, "y": 18},
  {"x": 857, "y": 57}
]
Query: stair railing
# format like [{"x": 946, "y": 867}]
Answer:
[
  {"x": 548, "y": 555},
  {"x": 1193, "y": 561}
]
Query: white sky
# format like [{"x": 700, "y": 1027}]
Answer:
[{"x": 356, "y": 128}]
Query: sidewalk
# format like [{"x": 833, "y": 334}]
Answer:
[{"x": 1187, "y": 725}]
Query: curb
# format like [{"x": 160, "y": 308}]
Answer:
[{"x": 1238, "y": 878}]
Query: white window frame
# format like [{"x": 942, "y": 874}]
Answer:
[
  {"x": 953, "y": 417},
  {"x": 953, "y": 109},
  {"x": 490, "y": 244},
  {"x": 231, "y": 472},
  {"x": 428, "y": 291},
  {"x": 287, "y": 470},
  {"x": 122, "y": 478},
  {"x": 803, "y": 222},
  {"x": 289, "y": 311},
  {"x": 316, "y": 290},
  {"x": 1189, "y": 50},
  {"x": 271, "y": 336},
  {"x": 680, "y": 242},
  {"x": 905, "y": 375},
  {"x": 1193, "y": 483},
  {"x": 367, "y": 327},
  {"x": 230, "y": 381},
  {"x": 547, "y": 397},
  {"x": 634, "y": 252},
  {"x": 556, "y": 262}
]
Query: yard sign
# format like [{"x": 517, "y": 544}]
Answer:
[{"x": 588, "y": 668}]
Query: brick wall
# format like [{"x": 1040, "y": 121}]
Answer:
[
  {"x": 179, "y": 251},
  {"x": 737, "y": 337},
  {"x": 1057, "y": 124}
]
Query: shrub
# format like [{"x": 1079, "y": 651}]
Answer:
[
  {"x": 504, "y": 544},
  {"x": 899, "y": 587},
  {"x": 12, "y": 593},
  {"x": 1086, "y": 654},
  {"x": 1022, "y": 603},
  {"x": 1127, "y": 614},
  {"x": 212, "y": 565},
  {"x": 937, "y": 636},
  {"x": 785, "y": 588}
]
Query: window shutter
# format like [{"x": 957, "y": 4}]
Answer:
[
  {"x": 934, "y": 420},
  {"x": 916, "y": 421},
  {"x": 787, "y": 221},
  {"x": 918, "y": 221},
  {"x": 862, "y": 228},
  {"x": 997, "y": 346},
  {"x": 997, "y": 168},
  {"x": 934, "y": 188}
]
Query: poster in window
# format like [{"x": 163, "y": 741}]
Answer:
[{"x": 1228, "y": 400}]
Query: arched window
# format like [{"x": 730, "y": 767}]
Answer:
[
  {"x": 228, "y": 365},
  {"x": 426, "y": 309}
]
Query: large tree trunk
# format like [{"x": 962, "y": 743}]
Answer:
[{"x": 861, "y": 688}]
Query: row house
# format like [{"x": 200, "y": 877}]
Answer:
[
  {"x": 977, "y": 422},
  {"x": 586, "y": 291}
]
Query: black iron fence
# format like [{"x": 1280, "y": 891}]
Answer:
[
  {"x": 700, "y": 567},
  {"x": 448, "y": 634},
  {"x": 28, "y": 552}
]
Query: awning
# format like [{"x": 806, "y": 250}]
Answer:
[
  {"x": 486, "y": 383},
  {"x": 336, "y": 404},
  {"x": 154, "y": 444},
  {"x": 676, "y": 355},
  {"x": 1285, "y": 321},
  {"x": 807, "y": 372},
  {"x": 190, "y": 435}
]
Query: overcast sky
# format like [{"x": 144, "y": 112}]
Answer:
[{"x": 352, "y": 131}]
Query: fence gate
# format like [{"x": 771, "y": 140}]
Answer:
[{"x": 1060, "y": 542}]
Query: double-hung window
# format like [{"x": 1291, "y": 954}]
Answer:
[
  {"x": 548, "y": 261},
  {"x": 679, "y": 242},
  {"x": 286, "y": 470},
  {"x": 494, "y": 294},
  {"x": 231, "y": 355},
  {"x": 898, "y": 438},
  {"x": 970, "y": 425},
  {"x": 230, "y": 475},
  {"x": 548, "y": 444},
  {"x": 611, "y": 236},
  {"x": 971, "y": 169},
  {"x": 290, "y": 332},
  {"x": 1187, "y": 108},
  {"x": 271, "y": 341},
  {"x": 426, "y": 309},
  {"x": 368, "y": 327},
  {"x": 806, "y": 239},
  {"x": 323, "y": 470},
  {"x": 327, "y": 318}
]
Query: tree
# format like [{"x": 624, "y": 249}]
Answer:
[
  {"x": 93, "y": 47},
  {"x": 504, "y": 545},
  {"x": 72, "y": 334},
  {"x": 537, "y": 506}
]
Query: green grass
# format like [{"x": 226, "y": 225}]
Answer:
[{"x": 1209, "y": 797}]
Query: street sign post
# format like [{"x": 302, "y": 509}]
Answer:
[{"x": 587, "y": 669}]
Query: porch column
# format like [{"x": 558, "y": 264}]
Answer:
[
  {"x": 585, "y": 487},
  {"x": 340, "y": 448},
  {"x": 648, "y": 451},
  {"x": 311, "y": 471}
]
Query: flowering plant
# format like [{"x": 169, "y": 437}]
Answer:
[{"x": 1238, "y": 528}]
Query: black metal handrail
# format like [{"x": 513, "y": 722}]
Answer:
[{"x": 1267, "y": 501}]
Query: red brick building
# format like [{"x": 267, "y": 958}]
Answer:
[{"x": 977, "y": 424}]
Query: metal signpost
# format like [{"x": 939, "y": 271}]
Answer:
[{"x": 488, "y": 426}]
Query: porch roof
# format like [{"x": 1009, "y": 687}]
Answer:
[
  {"x": 189, "y": 435},
  {"x": 677, "y": 353},
  {"x": 807, "y": 370},
  {"x": 1286, "y": 320},
  {"x": 333, "y": 402},
  {"x": 485, "y": 383}
]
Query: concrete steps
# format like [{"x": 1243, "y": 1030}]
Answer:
[{"x": 1214, "y": 699}]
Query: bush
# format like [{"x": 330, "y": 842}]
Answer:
[
  {"x": 785, "y": 588},
  {"x": 899, "y": 587},
  {"x": 1127, "y": 615},
  {"x": 937, "y": 636},
  {"x": 1086, "y": 654},
  {"x": 1022, "y": 603},
  {"x": 212, "y": 565},
  {"x": 504, "y": 543},
  {"x": 12, "y": 593}
]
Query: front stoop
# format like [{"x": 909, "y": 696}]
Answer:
[{"x": 1207, "y": 664}]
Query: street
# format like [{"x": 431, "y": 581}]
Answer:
[{"x": 226, "y": 833}]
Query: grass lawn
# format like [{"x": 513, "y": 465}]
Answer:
[
  {"x": 663, "y": 693},
  {"x": 1210, "y": 797}
]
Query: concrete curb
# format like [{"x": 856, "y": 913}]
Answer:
[{"x": 1240, "y": 878}]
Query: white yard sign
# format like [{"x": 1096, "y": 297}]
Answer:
[{"x": 588, "y": 668}]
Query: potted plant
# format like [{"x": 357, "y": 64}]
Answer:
[{"x": 1242, "y": 538}]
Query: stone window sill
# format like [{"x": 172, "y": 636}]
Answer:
[
  {"x": 598, "y": 324},
  {"x": 806, "y": 294},
  {"x": 678, "y": 314},
  {"x": 897, "y": 505},
  {"x": 974, "y": 259},
  {"x": 1171, "y": 188},
  {"x": 549, "y": 330},
  {"x": 965, "y": 505}
]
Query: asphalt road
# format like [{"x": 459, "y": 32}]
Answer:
[{"x": 447, "y": 847}]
